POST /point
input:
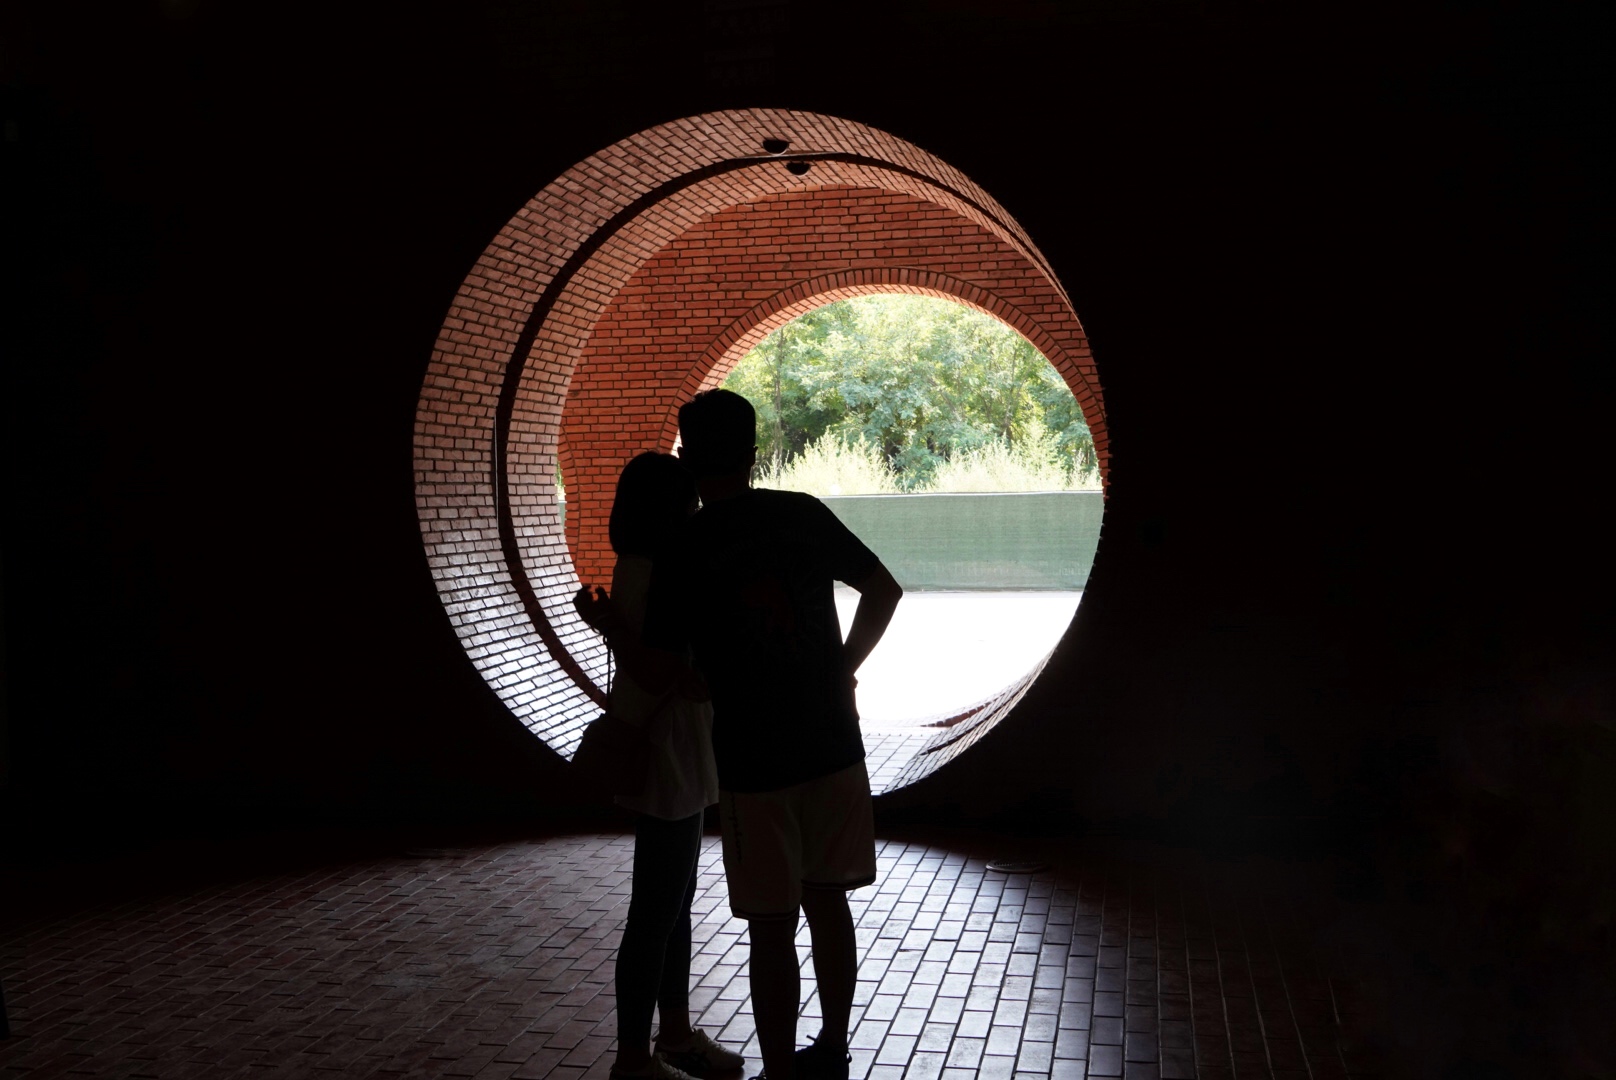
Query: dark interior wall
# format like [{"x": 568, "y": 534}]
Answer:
[
  {"x": 1341, "y": 283},
  {"x": 1343, "y": 275}
]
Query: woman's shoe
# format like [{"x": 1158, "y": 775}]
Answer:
[
  {"x": 659, "y": 1070},
  {"x": 700, "y": 1056}
]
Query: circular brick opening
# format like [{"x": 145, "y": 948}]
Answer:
[{"x": 635, "y": 279}]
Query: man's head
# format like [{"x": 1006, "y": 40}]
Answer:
[{"x": 717, "y": 434}]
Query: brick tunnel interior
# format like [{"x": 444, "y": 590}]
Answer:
[
  {"x": 636, "y": 279},
  {"x": 1341, "y": 275}
]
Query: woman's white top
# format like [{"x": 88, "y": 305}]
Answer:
[{"x": 682, "y": 780}]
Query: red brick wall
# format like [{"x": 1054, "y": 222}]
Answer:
[
  {"x": 691, "y": 312},
  {"x": 549, "y": 325}
]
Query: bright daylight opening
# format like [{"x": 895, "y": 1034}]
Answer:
[{"x": 956, "y": 451}]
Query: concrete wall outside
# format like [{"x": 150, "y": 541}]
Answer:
[{"x": 1000, "y": 540}]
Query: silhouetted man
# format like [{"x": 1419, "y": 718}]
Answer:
[{"x": 748, "y": 591}]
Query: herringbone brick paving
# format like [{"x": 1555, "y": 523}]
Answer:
[{"x": 495, "y": 962}]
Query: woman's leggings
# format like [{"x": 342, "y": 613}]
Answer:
[{"x": 653, "y": 961}]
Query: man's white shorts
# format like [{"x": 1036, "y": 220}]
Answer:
[{"x": 819, "y": 834}]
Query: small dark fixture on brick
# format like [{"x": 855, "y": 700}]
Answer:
[
  {"x": 797, "y": 168},
  {"x": 775, "y": 146}
]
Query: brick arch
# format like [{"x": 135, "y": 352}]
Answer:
[{"x": 524, "y": 337}]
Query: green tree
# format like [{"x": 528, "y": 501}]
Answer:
[
  {"x": 780, "y": 378},
  {"x": 919, "y": 378}
]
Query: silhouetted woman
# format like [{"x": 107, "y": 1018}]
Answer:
[{"x": 655, "y": 495}]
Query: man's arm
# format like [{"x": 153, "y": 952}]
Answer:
[{"x": 879, "y": 593}]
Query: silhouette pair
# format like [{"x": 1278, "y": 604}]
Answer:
[{"x": 735, "y": 602}]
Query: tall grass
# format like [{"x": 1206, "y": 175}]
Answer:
[
  {"x": 1032, "y": 463},
  {"x": 832, "y": 466}
]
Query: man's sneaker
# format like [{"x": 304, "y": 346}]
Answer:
[
  {"x": 700, "y": 1056},
  {"x": 819, "y": 1062},
  {"x": 660, "y": 1070}
]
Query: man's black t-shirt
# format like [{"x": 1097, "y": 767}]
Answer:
[{"x": 748, "y": 588}]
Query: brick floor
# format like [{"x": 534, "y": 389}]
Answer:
[
  {"x": 888, "y": 752},
  {"x": 495, "y": 962}
]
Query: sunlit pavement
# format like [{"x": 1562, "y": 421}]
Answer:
[{"x": 948, "y": 650}]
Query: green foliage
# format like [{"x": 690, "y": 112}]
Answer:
[
  {"x": 786, "y": 376},
  {"x": 832, "y": 466},
  {"x": 920, "y": 380}
]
